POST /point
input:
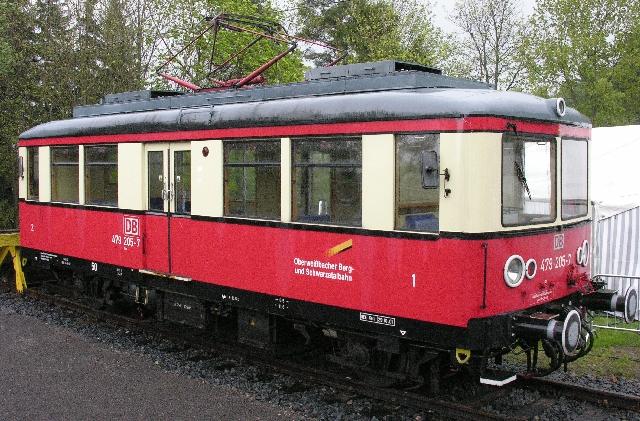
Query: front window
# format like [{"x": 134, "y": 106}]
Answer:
[
  {"x": 327, "y": 177},
  {"x": 574, "y": 178},
  {"x": 528, "y": 180}
]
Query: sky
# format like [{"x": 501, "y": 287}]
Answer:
[{"x": 442, "y": 10}]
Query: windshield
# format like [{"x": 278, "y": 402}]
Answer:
[
  {"x": 574, "y": 178},
  {"x": 528, "y": 180}
]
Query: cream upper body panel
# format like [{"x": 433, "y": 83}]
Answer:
[
  {"x": 469, "y": 202},
  {"x": 207, "y": 178},
  {"x": 131, "y": 179},
  {"x": 474, "y": 205}
]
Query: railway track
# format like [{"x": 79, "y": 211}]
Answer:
[
  {"x": 440, "y": 408},
  {"x": 581, "y": 393}
]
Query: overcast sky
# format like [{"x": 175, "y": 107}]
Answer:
[{"x": 443, "y": 8}]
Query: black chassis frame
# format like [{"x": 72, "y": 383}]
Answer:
[{"x": 482, "y": 334}]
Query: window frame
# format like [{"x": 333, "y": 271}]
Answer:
[
  {"x": 63, "y": 164},
  {"x": 295, "y": 214},
  {"x": 255, "y": 164},
  {"x": 86, "y": 164},
  {"x": 554, "y": 182},
  {"x": 574, "y": 139}
]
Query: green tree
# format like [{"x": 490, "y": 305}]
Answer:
[
  {"x": 493, "y": 31},
  {"x": 120, "y": 67},
  {"x": 88, "y": 41},
  {"x": 584, "y": 51},
  {"x": 18, "y": 82},
  {"x": 370, "y": 30},
  {"x": 53, "y": 60}
]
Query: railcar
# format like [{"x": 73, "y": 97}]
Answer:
[{"x": 414, "y": 222}]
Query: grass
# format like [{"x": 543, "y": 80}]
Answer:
[{"x": 615, "y": 354}]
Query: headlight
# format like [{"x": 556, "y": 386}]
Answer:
[
  {"x": 531, "y": 268},
  {"x": 514, "y": 270},
  {"x": 583, "y": 253},
  {"x": 586, "y": 253}
]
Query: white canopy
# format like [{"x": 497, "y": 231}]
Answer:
[{"x": 615, "y": 168}]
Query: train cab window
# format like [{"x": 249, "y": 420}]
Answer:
[
  {"x": 417, "y": 182},
  {"x": 182, "y": 181},
  {"x": 327, "y": 181},
  {"x": 252, "y": 179},
  {"x": 33, "y": 171},
  {"x": 528, "y": 180},
  {"x": 65, "y": 174},
  {"x": 574, "y": 178},
  {"x": 101, "y": 175}
]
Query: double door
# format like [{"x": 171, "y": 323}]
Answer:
[{"x": 168, "y": 168}]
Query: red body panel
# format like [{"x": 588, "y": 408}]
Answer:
[
  {"x": 156, "y": 243},
  {"x": 438, "y": 281}
]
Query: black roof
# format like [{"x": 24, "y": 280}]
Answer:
[{"x": 353, "y": 93}]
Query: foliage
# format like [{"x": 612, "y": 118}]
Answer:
[
  {"x": 587, "y": 52},
  {"x": 55, "y": 54},
  {"x": 493, "y": 31},
  {"x": 184, "y": 18},
  {"x": 16, "y": 79},
  {"x": 369, "y": 30}
]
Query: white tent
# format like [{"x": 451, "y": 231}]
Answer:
[
  {"x": 615, "y": 168},
  {"x": 615, "y": 191}
]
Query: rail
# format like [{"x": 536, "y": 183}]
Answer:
[
  {"x": 613, "y": 320},
  {"x": 10, "y": 245}
]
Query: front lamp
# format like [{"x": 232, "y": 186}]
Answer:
[{"x": 514, "y": 270}]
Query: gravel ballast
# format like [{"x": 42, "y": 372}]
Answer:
[{"x": 156, "y": 378}]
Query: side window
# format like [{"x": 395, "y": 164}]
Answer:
[
  {"x": 64, "y": 174},
  {"x": 252, "y": 179},
  {"x": 101, "y": 175},
  {"x": 417, "y": 182},
  {"x": 33, "y": 171},
  {"x": 327, "y": 177},
  {"x": 574, "y": 178}
]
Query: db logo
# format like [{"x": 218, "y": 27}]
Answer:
[
  {"x": 558, "y": 242},
  {"x": 131, "y": 225}
]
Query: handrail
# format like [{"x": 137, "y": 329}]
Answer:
[{"x": 609, "y": 275}]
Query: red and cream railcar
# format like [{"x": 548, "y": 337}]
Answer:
[{"x": 384, "y": 204}]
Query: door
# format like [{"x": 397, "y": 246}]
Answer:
[{"x": 168, "y": 168}]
